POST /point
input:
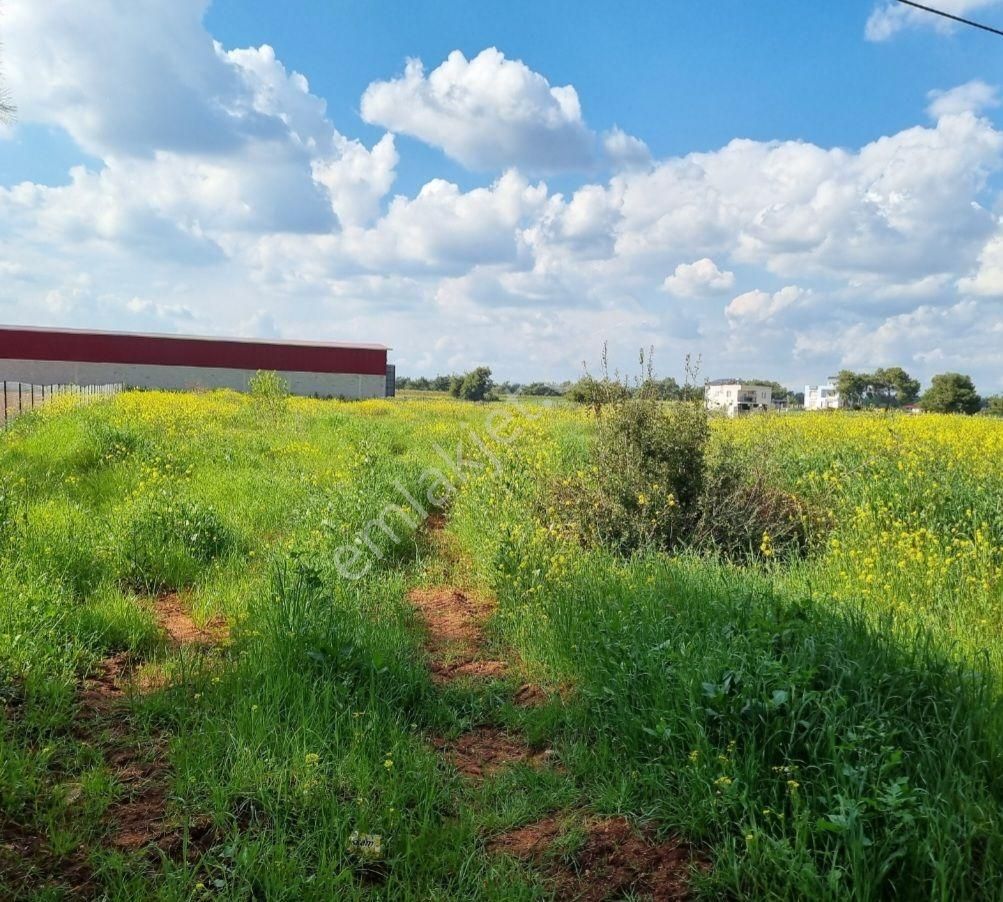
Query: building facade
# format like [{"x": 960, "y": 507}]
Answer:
[
  {"x": 732, "y": 396},
  {"x": 822, "y": 397},
  {"x": 75, "y": 357}
]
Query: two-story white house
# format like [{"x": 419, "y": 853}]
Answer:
[
  {"x": 822, "y": 397},
  {"x": 734, "y": 396}
]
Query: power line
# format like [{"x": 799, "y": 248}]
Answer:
[{"x": 940, "y": 12}]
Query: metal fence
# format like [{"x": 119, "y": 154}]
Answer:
[{"x": 19, "y": 397}]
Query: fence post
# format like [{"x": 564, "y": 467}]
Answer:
[{"x": 20, "y": 400}]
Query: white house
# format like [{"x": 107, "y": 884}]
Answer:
[
  {"x": 822, "y": 397},
  {"x": 734, "y": 396}
]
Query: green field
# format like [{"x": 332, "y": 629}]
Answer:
[{"x": 323, "y": 650}]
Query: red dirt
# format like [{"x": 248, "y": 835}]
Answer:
[
  {"x": 454, "y": 623},
  {"x": 138, "y": 820},
  {"x": 486, "y": 751},
  {"x": 107, "y": 687},
  {"x": 453, "y": 620},
  {"x": 530, "y": 695},
  {"x": 28, "y": 866},
  {"x": 177, "y": 623},
  {"x": 614, "y": 860},
  {"x": 435, "y": 522}
]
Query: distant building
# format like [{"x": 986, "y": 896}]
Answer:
[
  {"x": 822, "y": 397},
  {"x": 734, "y": 396},
  {"x": 72, "y": 357}
]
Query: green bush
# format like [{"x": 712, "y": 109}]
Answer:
[
  {"x": 171, "y": 541},
  {"x": 744, "y": 515},
  {"x": 654, "y": 482},
  {"x": 645, "y": 479},
  {"x": 269, "y": 391}
]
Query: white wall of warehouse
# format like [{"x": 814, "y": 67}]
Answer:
[{"x": 49, "y": 372}]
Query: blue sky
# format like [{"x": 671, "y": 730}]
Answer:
[{"x": 857, "y": 225}]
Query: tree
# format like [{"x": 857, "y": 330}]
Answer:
[
  {"x": 894, "y": 387},
  {"x": 540, "y": 390},
  {"x": 597, "y": 392},
  {"x": 666, "y": 389},
  {"x": 473, "y": 386},
  {"x": 994, "y": 406},
  {"x": 852, "y": 387},
  {"x": 951, "y": 393}
]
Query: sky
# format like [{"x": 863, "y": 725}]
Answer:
[{"x": 780, "y": 190}]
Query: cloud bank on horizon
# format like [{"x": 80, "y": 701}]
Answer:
[{"x": 227, "y": 201}]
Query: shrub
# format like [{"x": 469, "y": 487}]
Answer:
[
  {"x": 653, "y": 482},
  {"x": 645, "y": 479},
  {"x": 597, "y": 392},
  {"x": 171, "y": 541},
  {"x": 743, "y": 515},
  {"x": 994, "y": 406},
  {"x": 269, "y": 391},
  {"x": 539, "y": 390}
]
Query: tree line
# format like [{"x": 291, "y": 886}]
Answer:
[
  {"x": 893, "y": 387},
  {"x": 477, "y": 385},
  {"x": 887, "y": 388}
]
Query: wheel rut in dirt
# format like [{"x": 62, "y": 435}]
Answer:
[
  {"x": 454, "y": 620},
  {"x": 139, "y": 820},
  {"x": 180, "y": 629},
  {"x": 610, "y": 859}
]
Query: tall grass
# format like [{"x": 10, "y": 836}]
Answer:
[{"x": 820, "y": 728}]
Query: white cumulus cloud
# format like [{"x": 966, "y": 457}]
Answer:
[
  {"x": 697, "y": 278},
  {"x": 487, "y": 113},
  {"x": 760, "y": 306},
  {"x": 972, "y": 97}
]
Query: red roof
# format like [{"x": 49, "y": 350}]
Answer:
[{"x": 79, "y": 346}]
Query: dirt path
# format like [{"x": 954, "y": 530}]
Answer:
[
  {"x": 179, "y": 627},
  {"x": 139, "y": 819},
  {"x": 610, "y": 859},
  {"x": 454, "y": 624},
  {"x": 454, "y": 619}
]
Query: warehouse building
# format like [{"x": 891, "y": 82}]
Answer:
[{"x": 74, "y": 357}]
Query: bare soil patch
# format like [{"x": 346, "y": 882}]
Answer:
[
  {"x": 138, "y": 821},
  {"x": 612, "y": 861},
  {"x": 28, "y": 865},
  {"x": 177, "y": 623},
  {"x": 454, "y": 623},
  {"x": 454, "y": 626},
  {"x": 486, "y": 751},
  {"x": 106, "y": 687}
]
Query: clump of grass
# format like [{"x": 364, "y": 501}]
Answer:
[
  {"x": 270, "y": 393},
  {"x": 170, "y": 540},
  {"x": 63, "y": 540},
  {"x": 744, "y": 515}
]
